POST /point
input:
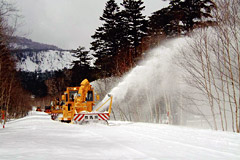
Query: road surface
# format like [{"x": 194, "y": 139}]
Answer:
[{"x": 37, "y": 137}]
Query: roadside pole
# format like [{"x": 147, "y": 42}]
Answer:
[{"x": 3, "y": 118}]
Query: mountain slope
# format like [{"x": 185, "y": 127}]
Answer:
[
  {"x": 43, "y": 60},
  {"x": 37, "y": 57}
]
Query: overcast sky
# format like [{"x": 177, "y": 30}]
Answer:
[{"x": 66, "y": 23}]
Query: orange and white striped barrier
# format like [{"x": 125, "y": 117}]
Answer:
[
  {"x": 54, "y": 116},
  {"x": 80, "y": 117}
]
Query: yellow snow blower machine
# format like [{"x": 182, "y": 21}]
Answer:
[{"x": 79, "y": 103}]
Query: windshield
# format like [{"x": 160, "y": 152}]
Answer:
[
  {"x": 72, "y": 94},
  {"x": 89, "y": 96}
]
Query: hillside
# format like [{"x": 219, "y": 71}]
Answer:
[
  {"x": 43, "y": 60},
  {"x": 37, "y": 57}
]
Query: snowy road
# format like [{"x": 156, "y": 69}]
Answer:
[{"x": 38, "y": 137}]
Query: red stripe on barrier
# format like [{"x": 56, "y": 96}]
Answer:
[
  {"x": 81, "y": 118},
  {"x": 76, "y": 117},
  {"x": 105, "y": 116}
]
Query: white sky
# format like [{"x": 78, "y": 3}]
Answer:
[{"x": 66, "y": 23}]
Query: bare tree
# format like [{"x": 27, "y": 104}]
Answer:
[
  {"x": 212, "y": 64},
  {"x": 13, "y": 99}
]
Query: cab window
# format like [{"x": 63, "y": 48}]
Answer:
[{"x": 89, "y": 96}]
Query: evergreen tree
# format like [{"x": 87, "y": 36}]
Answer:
[
  {"x": 117, "y": 40},
  {"x": 82, "y": 56},
  {"x": 81, "y": 67},
  {"x": 160, "y": 23},
  {"x": 180, "y": 17},
  {"x": 134, "y": 23},
  {"x": 192, "y": 11},
  {"x": 106, "y": 38}
]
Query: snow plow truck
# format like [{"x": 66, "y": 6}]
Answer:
[{"x": 79, "y": 104}]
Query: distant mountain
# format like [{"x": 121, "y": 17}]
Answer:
[
  {"x": 42, "y": 61},
  {"x": 38, "y": 57},
  {"x": 24, "y": 43}
]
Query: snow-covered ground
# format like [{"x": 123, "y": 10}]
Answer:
[{"x": 38, "y": 137}]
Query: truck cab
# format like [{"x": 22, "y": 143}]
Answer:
[{"x": 68, "y": 109}]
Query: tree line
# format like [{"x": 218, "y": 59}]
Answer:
[
  {"x": 14, "y": 100},
  {"x": 126, "y": 34}
]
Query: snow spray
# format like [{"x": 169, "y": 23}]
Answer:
[{"x": 145, "y": 84}]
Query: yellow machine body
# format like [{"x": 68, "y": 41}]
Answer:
[
  {"x": 56, "y": 105},
  {"x": 68, "y": 109},
  {"x": 85, "y": 99},
  {"x": 78, "y": 100}
]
